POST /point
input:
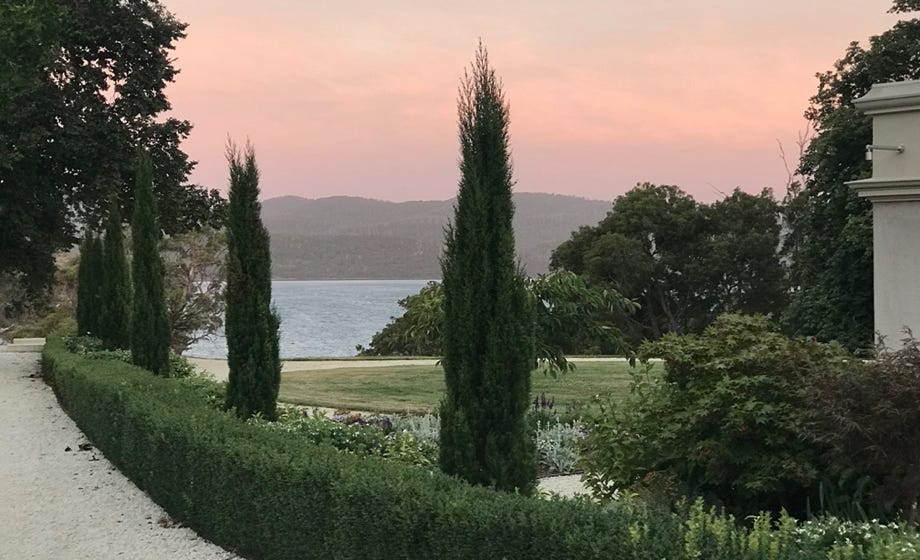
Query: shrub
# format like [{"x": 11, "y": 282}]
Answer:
[
  {"x": 269, "y": 496},
  {"x": 868, "y": 418},
  {"x": 726, "y": 419},
  {"x": 93, "y": 348}
]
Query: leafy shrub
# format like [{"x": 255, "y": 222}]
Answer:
[
  {"x": 726, "y": 419},
  {"x": 868, "y": 418}
]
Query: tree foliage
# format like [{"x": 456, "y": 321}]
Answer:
[
  {"x": 252, "y": 324},
  {"x": 901, "y": 6},
  {"x": 571, "y": 316},
  {"x": 417, "y": 332},
  {"x": 195, "y": 278},
  {"x": 683, "y": 262},
  {"x": 832, "y": 261},
  {"x": 150, "y": 336},
  {"x": 488, "y": 316},
  {"x": 115, "y": 318},
  {"x": 32, "y": 212},
  {"x": 77, "y": 103}
]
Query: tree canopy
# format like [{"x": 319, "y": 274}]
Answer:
[
  {"x": 87, "y": 96},
  {"x": 832, "y": 257},
  {"x": 683, "y": 262},
  {"x": 571, "y": 316}
]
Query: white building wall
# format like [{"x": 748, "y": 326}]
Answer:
[{"x": 896, "y": 246}]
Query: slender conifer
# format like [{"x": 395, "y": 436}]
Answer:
[
  {"x": 150, "y": 334},
  {"x": 89, "y": 277},
  {"x": 488, "y": 317},
  {"x": 115, "y": 318},
  {"x": 252, "y": 324}
]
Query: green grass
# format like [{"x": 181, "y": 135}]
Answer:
[{"x": 419, "y": 388}]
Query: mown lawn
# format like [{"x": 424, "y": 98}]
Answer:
[{"x": 419, "y": 388}]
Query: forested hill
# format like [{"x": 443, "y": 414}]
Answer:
[{"x": 357, "y": 238}]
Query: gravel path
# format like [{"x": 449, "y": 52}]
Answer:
[{"x": 71, "y": 505}]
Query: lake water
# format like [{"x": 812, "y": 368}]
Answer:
[{"x": 326, "y": 318}]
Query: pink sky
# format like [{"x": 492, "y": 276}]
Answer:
[{"x": 359, "y": 97}]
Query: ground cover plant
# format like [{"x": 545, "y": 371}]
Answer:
[
  {"x": 419, "y": 388},
  {"x": 269, "y": 496}
]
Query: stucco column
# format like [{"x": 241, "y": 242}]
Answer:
[{"x": 894, "y": 190}]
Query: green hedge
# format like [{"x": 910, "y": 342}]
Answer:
[{"x": 268, "y": 495}]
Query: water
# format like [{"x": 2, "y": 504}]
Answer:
[{"x": 326, "y": 318}]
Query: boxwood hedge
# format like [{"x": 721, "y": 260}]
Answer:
[{"x": 269, "y": 495}]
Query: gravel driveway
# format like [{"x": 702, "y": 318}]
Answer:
[{"x": 60, "y": 499}]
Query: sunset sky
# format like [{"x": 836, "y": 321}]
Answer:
[{"x": 358, "y": 97}]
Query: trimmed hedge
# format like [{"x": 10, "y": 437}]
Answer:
[{"x": 269, "y": 495}]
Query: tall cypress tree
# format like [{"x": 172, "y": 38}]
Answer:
[
  {"x": 96, "y": 276},
  {"x": 150, "y": 334},
  {"x": 115, "y": 319},
  {"x": 89, "y": 276},
  {"x": 488, "y": 317},
  {"x": 251, "y": 324}
]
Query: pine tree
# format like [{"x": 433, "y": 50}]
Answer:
[
  {"x": 251, "y": 324},
  {"x": 488, "y": 316},
  {"x": 115, "y": 318},
  {"x": 150, "y": 334}
]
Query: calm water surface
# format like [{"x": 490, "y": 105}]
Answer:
[{"x": 327, "y": 318}]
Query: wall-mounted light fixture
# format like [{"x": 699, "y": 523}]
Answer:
[{"x": 872, "y": 147}]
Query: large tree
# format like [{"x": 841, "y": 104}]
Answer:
[
  {"x": 150, "y": 335},
  {"x": 571, "y": 317},
  {"x": 252, "y": 324},
  {"x": 195, "y": 274},
  {"x": 832, "y": 227},
  {"x": 683, "y": 262},
  {"x": 488, "y": 318},
  {"x": 86, "y": 96},
  {"x": 33, "y": 217}
]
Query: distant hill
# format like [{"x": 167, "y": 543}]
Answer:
[{"x": 357, "y": 238}]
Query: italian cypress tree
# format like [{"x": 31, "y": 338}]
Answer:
[
  {"x": 88, "y": 285},
  {"x": 115, "y": 318},
  {"x": 488, "y": 316},
  {"x": 150, "y": 334},
  {"x": 96, "y": 277},
  {"x": 251, "y": 324}
]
